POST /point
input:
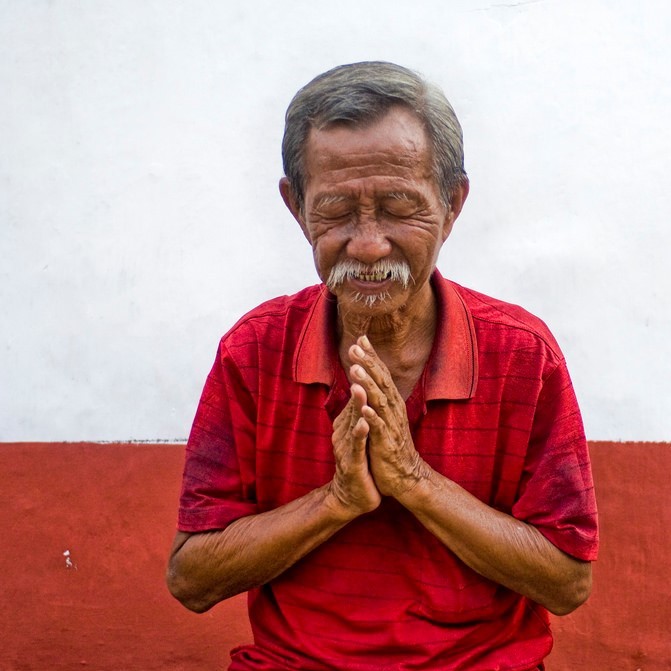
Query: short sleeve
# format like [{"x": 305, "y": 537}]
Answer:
[
  {"x": 556, "y": 493},
  {"x": 218, "y": 482}
]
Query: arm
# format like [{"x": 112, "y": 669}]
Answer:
[
  {"x": 498, "y": 546},
  {"x": 494, "y": 544},
  {"x": 206, "y": 568}
]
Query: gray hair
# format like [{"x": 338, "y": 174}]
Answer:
[{"x": 362, "y": 93}]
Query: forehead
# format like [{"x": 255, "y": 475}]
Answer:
[{"x": 395, "y": 145}]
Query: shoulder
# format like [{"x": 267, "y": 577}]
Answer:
[
  {"x": 497, "y": 318},
  {"x": 274, "y": 319}
]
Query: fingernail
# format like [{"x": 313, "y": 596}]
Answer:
[
  {"x": 358, "y": 351},
  {"x": 365, "y": 342},
  {"x": 359, "y": 372}
]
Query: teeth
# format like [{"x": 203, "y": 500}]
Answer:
[{"x": 373, "y": 277}]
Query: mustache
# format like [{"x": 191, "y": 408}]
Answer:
[{"x": 397, "y": 271}]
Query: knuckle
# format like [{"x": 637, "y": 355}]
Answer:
[{"x": 385, "y": 377}]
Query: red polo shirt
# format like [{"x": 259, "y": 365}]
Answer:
[{"x": 494, "y": 411}]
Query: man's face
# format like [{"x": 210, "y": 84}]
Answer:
[{"x": 373, "y": 212}]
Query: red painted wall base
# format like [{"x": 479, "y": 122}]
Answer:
[{"x": 104, "y": 606}]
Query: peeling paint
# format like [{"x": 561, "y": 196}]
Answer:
[{"x": 68, "y": 561}]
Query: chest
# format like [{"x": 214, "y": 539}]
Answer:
[{"x": 479, "y": 443}]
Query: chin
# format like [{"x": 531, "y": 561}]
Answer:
[{"x": 369, "y": 304}]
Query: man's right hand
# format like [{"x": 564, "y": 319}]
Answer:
[
  {"x": 353, "y": 487},
  {"x": 206, "y": 568}
]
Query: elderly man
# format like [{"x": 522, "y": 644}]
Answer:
[{"x": 393, "y": 466}]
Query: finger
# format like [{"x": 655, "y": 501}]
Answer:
[
  {"x": 357, "y": 400},
  {"x": 343, "y": 421},
  {"x": 363, "y": 354},
  {"x": 360, "y": 433},
  {"x": 376, "y": 425},
  {"x": 351, "y": 453},
  {"x": 359, "y": 397},
  {"x": 375, "y": 396}
]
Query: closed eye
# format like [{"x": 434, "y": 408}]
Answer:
[
  {"x": 335, "y": 217},
  {"x": 401, "y": 206},
  {"x": 332, "y": 207}
]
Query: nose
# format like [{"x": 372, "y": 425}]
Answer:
[{"x": 368, "y": 242}]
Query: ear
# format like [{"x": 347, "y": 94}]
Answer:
[
  {"x": 291, "y": 202},
  {"x": 459, "y": 195}
]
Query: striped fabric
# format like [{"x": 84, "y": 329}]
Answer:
[{"x": 494, "y": 411}]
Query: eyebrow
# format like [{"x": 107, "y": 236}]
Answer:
[
  {"x": 401, "y": 195},
  {"x": 326, "y": 199}
]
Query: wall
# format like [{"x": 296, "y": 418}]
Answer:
[
  {"x": 113, "y": 508},
  {"x": 139, "y": 215},
  {"x": 139, "y": 218}
]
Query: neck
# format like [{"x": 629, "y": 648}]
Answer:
[{"x": 402, "y": 338}]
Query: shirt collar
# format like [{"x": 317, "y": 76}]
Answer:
[
  {"x": 316, "y": 354},
  {"x": 452, "y": 368},
  {"x": 451, "y": 371}
]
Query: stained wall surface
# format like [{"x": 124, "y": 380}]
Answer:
[{"x": 105, "y": 607}]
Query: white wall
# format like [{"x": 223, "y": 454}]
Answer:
[{"x": 139, "y": 215}]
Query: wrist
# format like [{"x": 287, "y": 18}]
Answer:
[
  {"x": 337, "y": 508},
  {"x": 419, "y": 486}
]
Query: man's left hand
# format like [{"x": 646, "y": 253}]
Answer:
[{"x": 394, "y": 462}]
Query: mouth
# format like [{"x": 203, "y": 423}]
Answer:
[{"x": 370, "y": 277}]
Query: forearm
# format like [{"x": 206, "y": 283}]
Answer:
[
  {"x": 207, "y": 568},
  {"x": 498, "y": 546}
]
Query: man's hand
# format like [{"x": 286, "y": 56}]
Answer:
[
  {"x": 352, "y": 485},
  {"x": 395, "y": 464}
]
